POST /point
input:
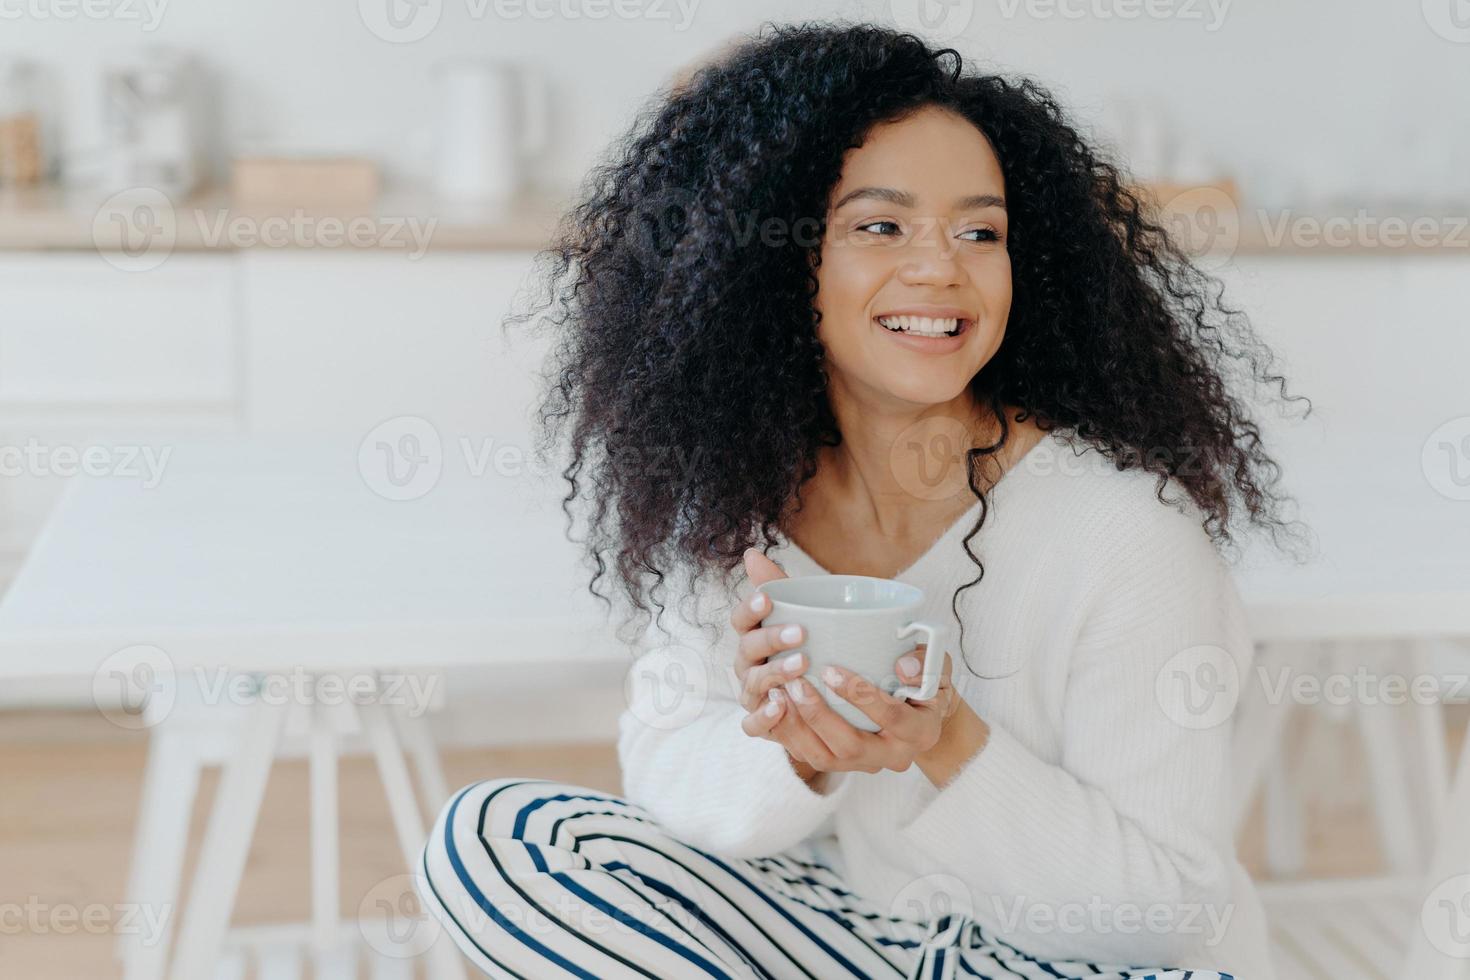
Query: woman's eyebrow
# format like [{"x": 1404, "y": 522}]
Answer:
[{"x": 906, "y": 200}]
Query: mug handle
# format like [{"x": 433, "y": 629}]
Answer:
[{"x": 933, "y": 661}]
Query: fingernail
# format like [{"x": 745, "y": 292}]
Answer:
[
  {"x": 794, "y": 687},
  {"x": 832, "y": 676},
  {"x": 776, "y": 694},
  {"x": 772, "y": 707},
  {"x": 791, "y": 634},
  {"x": 909, "y": 665},
  {"x": 757, "y": 600},
  {"x": 791, "y": 663}
]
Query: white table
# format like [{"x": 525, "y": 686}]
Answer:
[{"x": 282, "y": 560}]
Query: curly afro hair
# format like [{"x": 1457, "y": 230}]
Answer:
[{"x": 670, "y": 304}]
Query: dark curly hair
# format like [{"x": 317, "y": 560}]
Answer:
[{"x": 670, "y": 303}]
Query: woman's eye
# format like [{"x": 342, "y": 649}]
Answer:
[
  {"x": 880, "y": 224},
  {"x": 987, "y": 235}
]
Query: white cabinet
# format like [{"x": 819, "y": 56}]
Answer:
[
  {"x": 77, "y": 332},
  {"x": 340, "y": 341},
  {"x": 92, "y": 356}
]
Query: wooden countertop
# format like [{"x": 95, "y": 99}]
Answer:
[{"x": 53, "y": 218}]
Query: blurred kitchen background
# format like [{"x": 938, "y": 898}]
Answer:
[{"x": 227, "y": 229}]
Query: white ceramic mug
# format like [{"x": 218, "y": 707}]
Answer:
[{"x": 861, "y": 623}]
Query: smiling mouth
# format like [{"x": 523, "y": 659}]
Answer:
[{"x": 923, "y": 326}]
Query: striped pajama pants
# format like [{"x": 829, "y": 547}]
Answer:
[{"x": 539, "y": 879}]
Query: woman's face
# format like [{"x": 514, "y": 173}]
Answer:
[{"x": 917, "y": 226}]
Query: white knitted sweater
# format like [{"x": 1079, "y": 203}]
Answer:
[{"x": 1095, "y": 824}]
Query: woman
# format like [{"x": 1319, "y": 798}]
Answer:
[{"x": 828, "y": 267}]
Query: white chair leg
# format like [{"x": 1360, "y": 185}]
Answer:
[
  {"x": 1385, "y": 749},
  {"x": 227, "y": 843},
  {"x": 1426, "y": 959},
  {"x": 413, "y": 730},
  {"x": 170, "y": 787},
  {"x": 325, "y": 850},
  {"x": 1429, "y": 765},
  {"x": 445, "y": 962}
]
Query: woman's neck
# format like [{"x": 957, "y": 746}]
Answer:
[{"x": 897, "y": 467}]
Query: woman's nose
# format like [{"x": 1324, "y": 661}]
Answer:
[{"x": 931, "y": 257}]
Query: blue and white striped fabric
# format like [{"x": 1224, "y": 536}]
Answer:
[{"x": 537, "y": 879}]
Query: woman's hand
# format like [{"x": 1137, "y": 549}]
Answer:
[
  {"x": 785, "y": 708},
  {"x": 758, "y": 666}
]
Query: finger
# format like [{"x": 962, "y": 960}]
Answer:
[
  {"x": 842, "y": 739},
  {"x": 803, "y": 743},
  {"x": 761, "y": 643},
  {"x": 893, "y": 716},
  {"x": 750, "y": 612},
  {"x": 759, "y": 680},
  {"x": 761, "y": 722},
  {"x": 758, "y": 570},
  {"x": 910, "y": 668}
]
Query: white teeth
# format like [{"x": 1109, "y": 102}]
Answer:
[{"x": 922, "y": 325}]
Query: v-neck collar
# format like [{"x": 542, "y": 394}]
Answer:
[{"x": 965, "y": 520}]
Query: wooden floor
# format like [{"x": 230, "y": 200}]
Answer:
[
  {"x": 69, "y": 787},
  {"x": 70, "y": 794}
]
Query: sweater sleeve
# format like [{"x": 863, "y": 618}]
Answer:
[
  {"x": 1128, "y": 832},
  {"x": 686, "y": 760}
]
